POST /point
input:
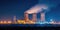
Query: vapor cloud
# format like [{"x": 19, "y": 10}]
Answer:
[{"x": 36, "y": 9}]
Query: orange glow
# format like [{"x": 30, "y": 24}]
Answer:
[
  {"x": 21, "y": 22},
  {"x": 1, "y": 21},
  {"x": 4, "y": 22},
  {"x": 9, "y": 22}
]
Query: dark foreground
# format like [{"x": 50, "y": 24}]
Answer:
[{"x": 30, "y": 26}]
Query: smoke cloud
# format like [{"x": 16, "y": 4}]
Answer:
[{"x": 36, "y": 9}]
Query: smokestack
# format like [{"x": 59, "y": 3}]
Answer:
[
  {"x": 14, "y": 19},
  {"x": 42, "y": 16},
  {"x": 26, "y": 16},
  {"x": 34, "y": 17}
]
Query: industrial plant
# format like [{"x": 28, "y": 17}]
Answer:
[{"x": 34, "y": 10}]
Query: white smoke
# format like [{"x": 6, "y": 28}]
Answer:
[{"x": 36, "y": 9}]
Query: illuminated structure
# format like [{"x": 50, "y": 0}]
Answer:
[
  {"x": 8, "y": 21},
  {"x": 42, "y": 16},
  {"x": 26, "y": 16},
  {"x": 5, "y": 22},
  {"x": 14, "y": 19},
  {"x": 34, "y": 17}
]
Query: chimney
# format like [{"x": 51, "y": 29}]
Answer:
[
  {"x": 26, "y": 16},
  {"x": 42, "y": 16},
  {"x": 14, "y": 19},
  {"x": 34, "y": 17}
]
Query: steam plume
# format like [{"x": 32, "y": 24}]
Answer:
[{"x": 36, "y": 9}]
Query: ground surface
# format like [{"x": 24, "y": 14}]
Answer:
[{"x": 33, "y": 25}]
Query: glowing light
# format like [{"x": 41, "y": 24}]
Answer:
[
  {"x": 4, "y": 22},
  {"x": 21, "y": 22},
  {"x": 9, "y": 22},
  {"x": 51, "y": 19},
  {"x": 1, "y": 21},
  {"x": 43, "y": 22}
]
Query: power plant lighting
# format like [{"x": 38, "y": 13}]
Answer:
[
  {"x": 44, "y": 22},
  {"x": 4, "y": 22},
  {"x": 1, "y": 21},
  {"x": 9, "y": 22}
]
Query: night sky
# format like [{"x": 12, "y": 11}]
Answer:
[{"x": 18, "y": 7}]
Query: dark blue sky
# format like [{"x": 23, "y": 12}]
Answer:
[{"x": 18, "y": 7}]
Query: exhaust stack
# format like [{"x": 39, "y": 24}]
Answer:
[
  {"x": 26, "y": 16},
  {"x": 34, "y": 17},
  {"x": 42, "y": 16},
  {"x": 14, "y": 19}
]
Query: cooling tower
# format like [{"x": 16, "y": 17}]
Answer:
[
  {"x": 42, "y": 16},
  {"x": 34, "y": 17},
  {"x": 26, "y": 16}
]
